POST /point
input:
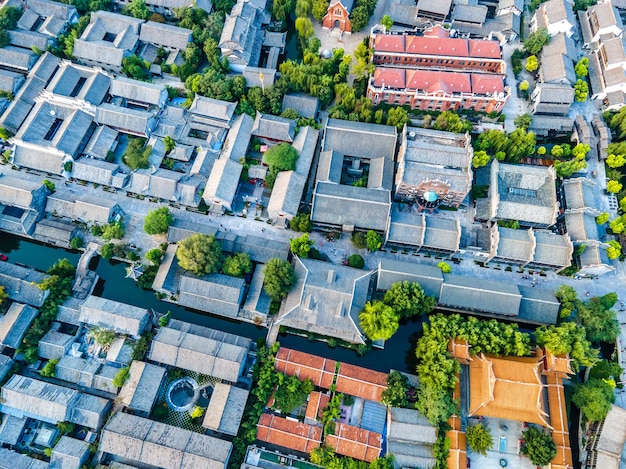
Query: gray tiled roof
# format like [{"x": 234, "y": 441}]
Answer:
[
  {"x": 223, "y": 182},
  {"x": 11, "y": 430},
  {"x": 93, "y": 170},
  {"x": 143, "y": 386},
  {"x": 274, "y": 127},
  {"x": 515, "y": 245},
  {"x": 14, "y": 324},
  {"x": 131, "y": 120},
  {"x": 165, "y": 35},
  {"x": 10, "y": 81},
  {"x": 360, "y": 139},
  {"x": 55, "y": 344},
  {"x": 66, "y": 82},
  {"x": 326, "y": 299},
  {"x": 54, "y": 232},
  {"x": 200, "y": 349},
  {"x": 13, "y": 460},
  {"x": 143, "y": 441},
  {"x": 364, "y": 208},
  {"x": 539, "y": 305},
  {"x": 214, "y": 293},
  {"x": 139, "y": 91},
  {"x": 69, "y": 453},
  {"x": 225, "y": 409},
  {"x": 474, "y": 294},
  {"x": 219, "y": 112},
  {"x": 20, "y": 283},
  {"x": 306, "y": 105},
  {"x": 28, "y": 39},
  {"x": 17, "y": 58},
  {"x": 552, "y": 249},
  {"x": 119, "y": 317},
  {"x": 391, "y": 271},
  {"x": 469, "y": 13}
]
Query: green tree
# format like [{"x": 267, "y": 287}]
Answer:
[
  {"x": 102, "y": 336},
  {"x": 301, "y": 223},
  {"x": 480, "y": 159},
  {"x": 114, "y": 230},
  {"x": 602, "y": 218},
  {"x": 580, "y": 150},
  {"x": 451, "y": 122},
  {"x": 408, "y": 299},
  {"x": 541, "y": 150},
  {"x": 538, "y": 446},
  {"x": 568, "y": 298},
  {"x": 3, "y": 295},
  {"x": 138, "y": 9},
  {"x": 157, "y": 221},
  {"x": 291, "y": 393},
  {"x": 135, "y": 67},
  {"x": 397, "y": 116},
  {"x": 523, "y": 120},
  {"x": 200, "y": 254},
  {"x": 374, "y": 241},
  {"x": 320, "y": 7},
  {"x": 387, "y": 22},
  {"x": 565, "y": 169},
  {"x": 599, "y": 320},
  {"x": 613, "y": 186},
  {"x": 581, "y": 90},
  {"x": 582, "y": 67},
  {"x": 479, "y": 438},
  {"x": 445, "y": 267},
  {"x": 279, "y": 278},
  {"x": 594, "y": 398},
  {"x": 237, "y": 265},
  {"x": 196, "y": 412},
  {"x": 155, "y": 256},
  {"x": 397, "y": 388},
  {"x": 135, "y": 155},
  {"x": 434, "y": 403},
  {"x": 615, "y": 161},
  {"x": 66, "y": 427},
  {"x": 568, "y": 338},
  {"x": 283, "y": 157},
  {"x": 301, "y": 246},
  {"x": 121, "y": 377},
  {"x": 356, "y": 261},
  {"x": 359, "y": 17},
  {"x": 49, "y": 185},
  {"x": 169, "y": 144},
  {"x": 359, "y": 240},
  {"x": 378, "y": 321},
  {"x": 106, "y": 251},
  {"x": 304, "y": 28},
  {"x": 77, "y": 242},
  {"x": 535, "y": 41},
  {"x": 617, "y": 225},
  {"x": 532, "y": 63},
  {"x": 48, "y": 371},
  {"x": 615, "y": 248},
  {"x": 524, "y": 85}
]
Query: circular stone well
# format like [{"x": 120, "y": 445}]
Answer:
[{"x": 182, "y": 394}]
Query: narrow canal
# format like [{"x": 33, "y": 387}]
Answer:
[{"x": 398, "y": 353}]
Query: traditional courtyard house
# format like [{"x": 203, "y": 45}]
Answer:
[
  {"x": 520, "y": 192},
  {"x": 557, "y": 16},
  {"x": 137, "y": 440},
  {"x": 326, "y": 300},
  {"x": 243, "y": 34},
  {"x": 25, "y": 397},
  {"x": 355, "y": 170},
  {"x": 20, "y": 283},
  {"x": 22, "y": 203},
  {"x": 109, "y": 38},
  {"x": 200, "y": 349},
  {"x": 338, "y": 16},
  {"x": 113, "y": 315},
  {"x": 434, "y": 167}
]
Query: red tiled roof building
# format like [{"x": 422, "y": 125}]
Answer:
[{"x": 437, "y": 72}]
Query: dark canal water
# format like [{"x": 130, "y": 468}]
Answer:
[{"x": 398, "y": 353}]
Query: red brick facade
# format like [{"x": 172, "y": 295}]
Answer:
[{"x": 337, "y": 17}]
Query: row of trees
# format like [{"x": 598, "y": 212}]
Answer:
[{"x": 379, "y": 320}]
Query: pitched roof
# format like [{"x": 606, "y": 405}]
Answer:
[
  {"x": 507, "y": 388},
  {"x": 143, "y": 386},
  {"x": 132, "y": 121},
  {"x": 305, "y": 105},
  {"x": 225, "y": 409},
  {"x": 14, "y": 324},
  {"x": 360, "y": 139},
  {"x": 361, "y": 382},
  {"x": 288, "y": 434},
  {"x": 434, "y": 81},
  {"x": 138, "y": 91},
  {"x": 326, "y": 299},
  {"x": 440, "y": 46},
  {"x": 164, "y": 34},
  {"x": 200, "y": 349},
  {"x": 69, "y": 453},
  {"x": 114, "y": 315},
  {"x": 20, "y": 283},
  {"x": 355, "y": 442},
  {"x": 304, "y": 365},
  {"x": 215, "y": 293},
  {"x": 474, "y": 294},
  {"x": 274, "y": 127},
  {"x": 144, "y": 441},
  {"x": 610, "y": 442},
  {"x": 391, "y": 271},
  {"x": 315, "y": 406},
  {"x": 10, "y": 459},
  {"x": 220, "y": 112}
]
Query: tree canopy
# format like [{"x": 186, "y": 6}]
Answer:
[
  {"x": 157, "y": 221},
  {"x": 479, "y": 438},
  {"x": 374, "y": 241},
  {"x": 301, "y": 223},
  {"x": 594, "y": 398},
  {"x": 396, "y": 393},
  {"x": 283, "y": 157},
  {"x": 538, "y": 446},
  {"x": 301, "y": 246},
  {"x": 237, "y": 265},
  {"x": 568, "y": 338},
  {"x": 200, "y": 254},
  {"x": 378, "y": 321},
  {"x": 279, "y": 278},
  {"x": 408, "y": 299},
  {"x": 535, "y": 41}
]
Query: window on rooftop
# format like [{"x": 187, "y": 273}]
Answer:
[
  {"x": 54, "y": 128},
  {"x": 522, "y": 192},
  {"x": 109, "y": 37},
  {"x": 37, "y": 23}
]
